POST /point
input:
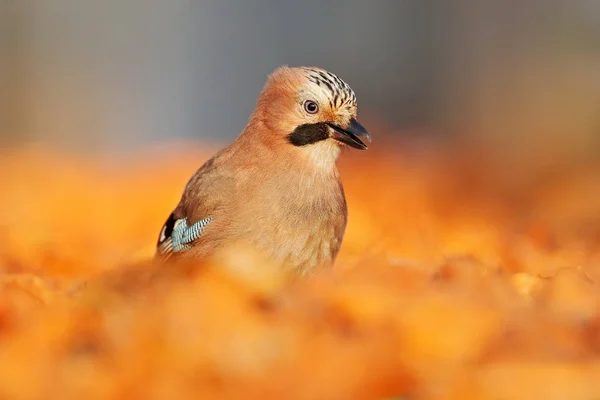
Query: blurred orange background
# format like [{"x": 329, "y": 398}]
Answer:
[{"x": 449, "y": 285}]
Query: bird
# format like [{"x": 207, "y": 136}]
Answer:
[{"x": 276, "y": 187}]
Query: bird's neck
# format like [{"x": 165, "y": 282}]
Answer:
[
  {"x": 270, "y": 144},
  {"x": 322, "y": 157}
]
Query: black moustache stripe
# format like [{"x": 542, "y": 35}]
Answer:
[{"x": 308, "y": 134}]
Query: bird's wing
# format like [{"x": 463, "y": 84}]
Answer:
[
  {"x": 177, "y": 236},
  {"x": 209, "y": 190}
]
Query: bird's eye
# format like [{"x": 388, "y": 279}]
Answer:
[{"x": 311, "y": 107}]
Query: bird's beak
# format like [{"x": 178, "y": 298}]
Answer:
[{"x": 351, "y": 135}]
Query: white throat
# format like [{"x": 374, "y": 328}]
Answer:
[{"x": 323, "y": 155}]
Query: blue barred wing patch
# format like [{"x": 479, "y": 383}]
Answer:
[{"x": 176, "y": 236}]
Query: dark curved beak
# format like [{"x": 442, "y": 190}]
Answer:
[{"x": 353, "y": 135}]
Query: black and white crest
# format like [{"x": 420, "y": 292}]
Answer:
[{"x": 341, "y": 93}]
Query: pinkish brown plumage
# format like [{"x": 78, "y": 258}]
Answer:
[{"x": 276, "y": 187}]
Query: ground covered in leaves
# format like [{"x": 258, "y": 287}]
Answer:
[{"x": 456, "y": 280}]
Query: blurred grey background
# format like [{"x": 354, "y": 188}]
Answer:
[{"x": 505, "y": 74}]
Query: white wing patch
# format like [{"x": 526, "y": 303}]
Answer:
[{"x": 176, "y": 236}]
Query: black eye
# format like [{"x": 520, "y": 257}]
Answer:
[{"x": 311, "y": 107}]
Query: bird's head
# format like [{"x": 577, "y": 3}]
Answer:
[{"x": 310, "y": 109}]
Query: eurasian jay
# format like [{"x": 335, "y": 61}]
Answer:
[{"x": 276, "y": 187}]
